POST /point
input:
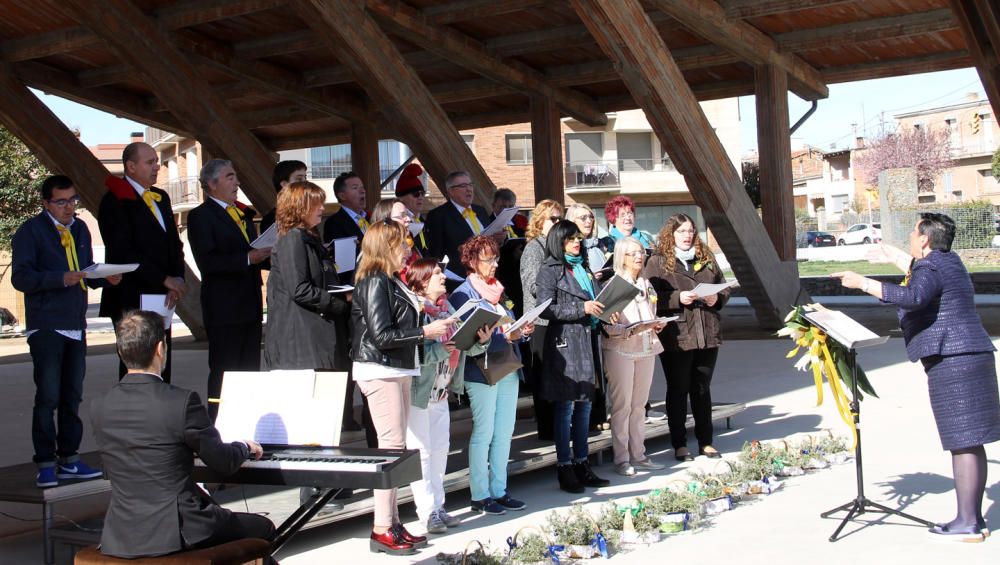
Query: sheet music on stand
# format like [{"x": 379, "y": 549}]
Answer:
[
  {"x": 844, "y": 329},
  {"x": 282, "y": 407}
]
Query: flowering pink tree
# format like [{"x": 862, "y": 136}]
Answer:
[{"x": 928, "y": 152}]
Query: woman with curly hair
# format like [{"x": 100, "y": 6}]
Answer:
[
  {"x": 691, "y": 345},
  {"x": 620, "y": 213}
]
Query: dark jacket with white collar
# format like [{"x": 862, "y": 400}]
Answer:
[
  {"x": 39, "y": 264},
  {"x": 386, "y": 323}
]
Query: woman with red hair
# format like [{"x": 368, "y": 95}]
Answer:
[
  {"x": 620, "y": 213},
  {"x": 494, "y": 406}
]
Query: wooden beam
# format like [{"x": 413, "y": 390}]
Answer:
[
  {"x": 185, "y": 14},
  {"x": 281, "y": 44},
  {"x": 467, "y": 10},
  {"x": 364, "y": 160},
  {"x": 381, "y": 70},
  {"x": 707, "y": 19},
  {"x": 118, "y": 102},
  {"x": 898, "y": 67},
  {"x": 740, "y": 9},
  {"x": 627, "y": 36},
  {"x": 980, "y": 24},
  {"x": 859, "y": 32},
  {"x": 279, "y": 116},
  {"x": 546, "y": 150},
  {"x": 61, "y": 152},
  {"x": 473, "y": 55},
  {"x": 775, "y": 159},
  {"x": 136, "y": 39}
]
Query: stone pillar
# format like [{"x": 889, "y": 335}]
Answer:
[{"x": 897, "y": 190}]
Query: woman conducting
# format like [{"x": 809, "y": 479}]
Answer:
[
  {"x": 691, "y": 345},
  {"x": 941, "y": 328},
  {"x": 386, "y": 355}
]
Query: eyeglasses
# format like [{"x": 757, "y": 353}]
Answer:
[
  {"x": 587, "y": 218},
  {"x": 686, "y": 231},
  {"x": 416, "y": 193},
  {"x": 63, "y": 202},
  {"x": 404, "y": 216},
  {"x": 490, "y": 260},
  {"x": 637, "y": 253},
  {"x": 626, "y": 214},
  {"x": 554, "y": 219},
  {"x": 463, "y": 185}
]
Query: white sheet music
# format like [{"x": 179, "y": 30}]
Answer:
[
  {"x": 345, "y": 253},
  {"x": 101, "y": 270},
  {"x": 708, "y": 289},
  {"x": 529, "y": 316},
  {"x": 498, "y": 225},
  {"x": 266, "y": 239},
  {"x": 284, "y": 407},
  {"x": 157, "y": 303}
]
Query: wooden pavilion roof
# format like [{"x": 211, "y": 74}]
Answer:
[{"x": 480, "y": 59}]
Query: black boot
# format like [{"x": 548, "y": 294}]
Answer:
[
  {"x": 585, "y": 475},
  {"x": 568, "y": 480}
]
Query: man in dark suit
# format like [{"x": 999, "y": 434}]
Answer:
[
  {"x": 456, "y": 221},
  {"x": 137, "y": 224},
  {"x": 220, "y": 231},
  {"x": 350, "y": 221},
  {"x": 49, "y": 252},
  {"x": 148, "y": 433}
]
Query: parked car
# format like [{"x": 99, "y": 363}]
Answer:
[
  {"x": 861, "y": 233},
  {"x": 815, "y": 239}
]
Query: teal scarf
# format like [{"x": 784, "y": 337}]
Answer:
[
  {"x": 584, "y": 278},
  {"x": 643, "y": 238}
]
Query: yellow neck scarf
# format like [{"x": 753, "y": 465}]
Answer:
[
  {"x": 69, "y": 244},
  {"x": 237, "y": 217},
  {"x": 473, "y": 221},
  {"x": 363, "y": 224},
  {"x": 151, "y": 198}
]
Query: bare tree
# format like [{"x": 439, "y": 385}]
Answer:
[{"x": 926, "y": 151}]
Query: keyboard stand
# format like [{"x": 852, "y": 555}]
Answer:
[{"x": 300, "y": 517}]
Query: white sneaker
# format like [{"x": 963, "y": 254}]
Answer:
[
  {"x": 625, "y": 470},
  {"x": 647, "y": 464},
  {"x": 435, "y": 525},
  {"x": 448, "y": 519},
  {"x": 655, "y": 416}
]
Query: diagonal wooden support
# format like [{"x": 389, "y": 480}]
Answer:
[
  {"x": 707, "y": 19},
  {"x": 775, "y": 150},
  {"x": 979, "y": 21},
  {"x": 136, "y": 39},
  {"x": 382, "y": 71},
  {"x": 473, "y": 55},
  {"x": 61, "y": 152},
  {"x": 627, "y": 36}
]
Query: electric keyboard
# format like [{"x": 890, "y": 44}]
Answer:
[{"x": 322, "y": 467}]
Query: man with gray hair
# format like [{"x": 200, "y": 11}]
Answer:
[
  {"x": 456, "y": 221},
  {"x": 220, "y": 231}
]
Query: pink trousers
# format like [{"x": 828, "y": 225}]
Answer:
[
  {"x": 629, "y": 379},
  {"x": 389, "y": 403}
]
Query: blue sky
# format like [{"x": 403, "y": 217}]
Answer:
[{"x": 860, "y": 103}]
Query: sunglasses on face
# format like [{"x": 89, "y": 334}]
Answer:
[{"x": 574, "y": 238}]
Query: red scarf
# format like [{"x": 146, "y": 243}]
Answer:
[
  {"x": 491, "y": 290},
  {"x": 439, "y": 311}
]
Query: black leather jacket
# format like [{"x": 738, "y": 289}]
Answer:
[{"x": 386, "y": 324}]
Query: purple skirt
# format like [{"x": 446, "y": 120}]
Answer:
[{"x": 964, "y": 398}]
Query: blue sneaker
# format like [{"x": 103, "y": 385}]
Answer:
[
  {"x": 487, "y": 506},
  {"x": 77, "y": 470},
  {"x": 46, "y": 477},
  {"x": 510, "y": 503}
]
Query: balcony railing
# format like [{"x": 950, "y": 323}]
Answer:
[
  {"x": 592, "y": 174},
  {"x": 184, "y": 190}
]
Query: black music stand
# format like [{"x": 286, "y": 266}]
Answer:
[{"x": 853, "y": 335}]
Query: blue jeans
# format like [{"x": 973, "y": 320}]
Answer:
[
  {"x": 60, "y": 363},
  {"x": 572, "y": 422},
  {"x": 494, "y": 409}
]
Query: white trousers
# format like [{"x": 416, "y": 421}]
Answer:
[{"x": 429, "y": 430}]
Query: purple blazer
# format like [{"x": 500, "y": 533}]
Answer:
[{"x": 937, "y": 310}]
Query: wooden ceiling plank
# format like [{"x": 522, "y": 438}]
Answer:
[
  {"x": 473, "y": 55},
  {"x": 186, "y": 14},
  {"x": 707, "y": 19},
  {"x": 137, "y": 39},
  {"x": 466, "y": 10},
  {"x": 742, "y": 9},
  {"x": 878, "y": 29},
  {"x": 389, "y": 80},
  {"x": 898, "y": 67},
  {"x": 627, "y": 36},
  {"x": 274, "y": 45}
]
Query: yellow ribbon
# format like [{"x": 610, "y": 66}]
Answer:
[
  {"x": 822, "y": 363},
  {"x": 423, "y": 242},
  {"x": 510, "y": 232},
  {"x": 237, "y": 215},
  {"x": 151, "y": 198},
  {"x": 363, "y": 224},
  {"x": 69, "y": 244},
  {"x": 473, "y": 221}
]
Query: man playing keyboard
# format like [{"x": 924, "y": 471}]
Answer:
[{"x": 148, "y": 432}]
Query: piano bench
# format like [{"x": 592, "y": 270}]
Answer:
[{"x": 250, "y": 550}]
